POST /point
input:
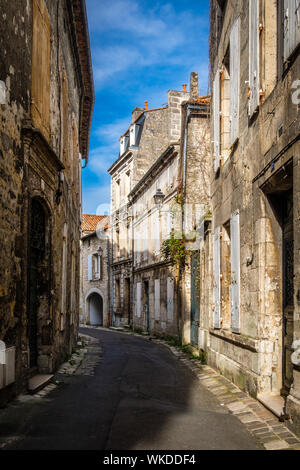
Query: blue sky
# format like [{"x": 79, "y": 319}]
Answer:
[{"x": 140, "y": 50}]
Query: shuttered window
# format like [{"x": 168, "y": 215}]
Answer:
[
  {"x": 90, "y": 267},
  {"x": 139, "y": 299},
  {"x": 145, "y": 236},
  {"x": 170, "y": 298},
  {"x": 157, "y": 234},
  {"x": 235, "y": 272},
  {"x": 216, "y": 114},
  {"x": 138, "y": 247},
  {"x": 75, "y": 155},
  {"x": 234, "y": 81},
  {"x": 253, "y": 55},
  {"x": 65, "y": 117},
  {"x": 291, "y": 30},
  {"x": 41, "y": 68},
  {"x": 216, "y": 285},
  {"x": 157, "y": 299}
]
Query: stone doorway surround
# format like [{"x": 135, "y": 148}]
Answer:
[
  {"x": 91, "y": 292},
  {"x": 274, "y": 186}
]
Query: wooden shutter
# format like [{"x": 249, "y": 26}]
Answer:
[
  {"x": 291, "y": 30},
  {"x": 157, "y": 299},
  {"x": 216, "y": 286},
  {"x": 90, "y": 267},
  {"x": 75, "y": 155},
  {"x": 138, "y": 247},
  {"x": 169, "y": 224},
  {"x": 253, "y": 55},
  {"x": 65, "y": 117},
  {"x": 234, "y": 80},
  {"x": 41, "y": 35},
  {"x": 235, "y": 271},
  {"x": 157, "y": 234},
  {"x": 170, "y": 298},
  {"x": 139, "y": 299},
  {"x": 216, "y": 114},
  {"x": 99, "y": 266},
  {"x": 146, "y": 240}
]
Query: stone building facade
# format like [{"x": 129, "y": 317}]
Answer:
[
  {"x": 172, "y": 144},
  {"x": 149, "y": 134},
  {"x": 254, "y": 320},
  {"x": 47, "y": 101},
  {"x": 154, "y": 279},
  {"x": 94, "y": 277},
  {"x": 194, "y": 195}
]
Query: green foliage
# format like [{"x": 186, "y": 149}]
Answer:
[
  {"x": 172, "y": 341},
  {"x": 173, "y": 250}
]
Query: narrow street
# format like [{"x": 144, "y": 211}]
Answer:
[{"x": 132, "y": 395}]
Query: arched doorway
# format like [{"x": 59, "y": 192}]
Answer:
[
  {"x": 37, "y": 285},
  {"x": 95, "y": 303}
]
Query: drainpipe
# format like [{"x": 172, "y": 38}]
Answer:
[{"x": 189, "y": 110}]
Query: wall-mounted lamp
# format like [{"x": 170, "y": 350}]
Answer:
[
  {"x": 100, "y": 251},
  {"x": 61, "y": 179},
  {"x": 159, "y": 198}
]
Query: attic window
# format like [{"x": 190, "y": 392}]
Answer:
[
  {"x": 134, "y": 135},
  {"x": 124, "y": 143}
]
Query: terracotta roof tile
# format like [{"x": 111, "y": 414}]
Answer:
[{"x": 90, "y": 222}]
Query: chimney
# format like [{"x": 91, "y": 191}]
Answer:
[
  {"x": 194, "y": 86},
  {"x": 137, "y": 113}
]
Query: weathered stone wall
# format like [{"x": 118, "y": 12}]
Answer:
[
  {"x": 30, "y": 165},
  {"x": 160, "y": 128},
  {"x": 90, "y": 245},
  {"x": 257, "y": 167},
  {"x": 195, "y": 130}
]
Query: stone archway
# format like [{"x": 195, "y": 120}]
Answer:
[{"x": 94, "y": 308}]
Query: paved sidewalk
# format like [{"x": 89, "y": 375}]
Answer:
[{"x": 261, "y": 423}]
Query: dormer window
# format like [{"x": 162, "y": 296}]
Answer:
[
  {"x": 124, "y": 143},
  {"x": 134, "y": 130}
]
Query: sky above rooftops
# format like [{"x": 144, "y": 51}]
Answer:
[{"x": 140, "y": 50}]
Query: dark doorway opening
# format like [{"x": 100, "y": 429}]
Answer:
[
  {"x": 37, "y": 255},
  {"x": 279, "y": 190},
  {"x": 128, "y": 300},
  {"x": 96, "y": 309},
  {"x": 146, "y": 305}
]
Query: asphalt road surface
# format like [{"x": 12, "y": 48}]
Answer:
[{"x": 140, "y": 397}]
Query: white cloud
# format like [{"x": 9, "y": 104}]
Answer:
[
  {"x": 96, "y": 199},
  {"x": 111, "y": 132},
  {"x": 141, "y": 38}
]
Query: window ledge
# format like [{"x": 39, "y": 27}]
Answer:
[{"x": 237, "y": 339}]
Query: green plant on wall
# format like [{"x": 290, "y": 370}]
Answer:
[{"x": 173, "y": 250}]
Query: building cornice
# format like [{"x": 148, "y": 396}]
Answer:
[
  {"x": 78, "y": 15},
  {"x": 160, "y": 163},
  {"x": 148, "y": 267},
  {"x": 122, "y": 159}
]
